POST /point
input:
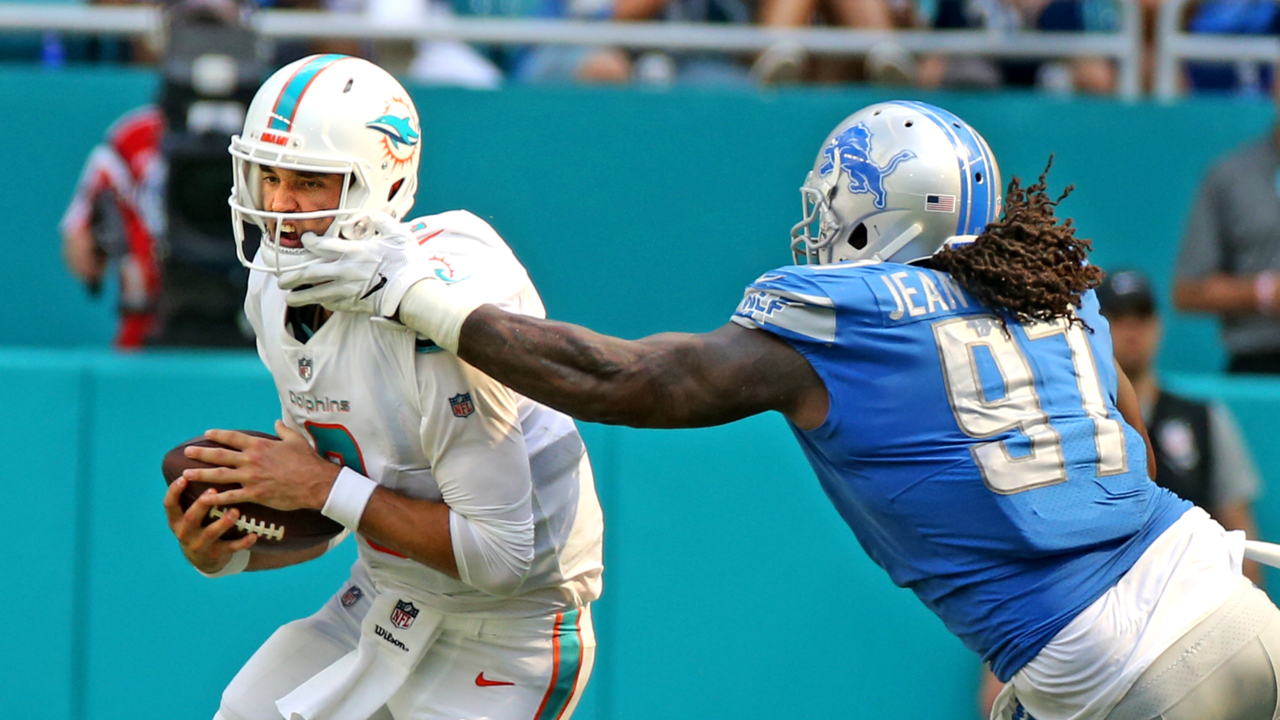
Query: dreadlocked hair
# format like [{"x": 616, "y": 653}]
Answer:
[{"x": 1026, "y": 266}]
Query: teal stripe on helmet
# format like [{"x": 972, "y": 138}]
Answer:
[
  {"x": 570, "y": 637},
  {"x": 287, "y": 103}
]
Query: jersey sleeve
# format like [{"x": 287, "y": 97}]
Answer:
[
  {"x": 471, "y": 434},
  {"x": 473, "y": 261},
  {"x": 789, "y": 304}
]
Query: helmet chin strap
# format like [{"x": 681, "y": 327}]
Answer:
[{"x": 887, "y": 251}]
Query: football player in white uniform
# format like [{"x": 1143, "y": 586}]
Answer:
[{"x": 474, "y": 508}]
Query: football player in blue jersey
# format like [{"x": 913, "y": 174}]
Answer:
[{"x": 950, "y": 379}]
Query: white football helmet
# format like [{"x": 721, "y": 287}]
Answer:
[
  {"x": 892, "y": 183},
  {"x": 326, "y": 114}
]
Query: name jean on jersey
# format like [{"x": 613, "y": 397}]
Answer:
[
  {"x": 311, "y": 403},
  {"x": 915, "y": 293}
]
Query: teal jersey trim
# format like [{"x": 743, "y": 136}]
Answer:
[
  {"x": 568, "y": 636},
  {"x": 287, "y": 103}
]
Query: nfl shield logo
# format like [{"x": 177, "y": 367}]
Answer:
[
  {"x": 462, "y": 405},
  {"x": 404, "y": 614},
  {"x": 352, "y": 596},
  {"x": 304, "y": 368}
]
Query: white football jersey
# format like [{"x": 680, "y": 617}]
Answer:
[{"x": 417, "y": 420}]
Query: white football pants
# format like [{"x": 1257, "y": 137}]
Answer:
[
  {"x": 491, "y": 669},
  {"x": 1224, "y": 668}
]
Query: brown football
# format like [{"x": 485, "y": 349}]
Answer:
[{"x": 277, "y": 530}]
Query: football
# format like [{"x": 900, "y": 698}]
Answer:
[{"x": 277, "y": 530}]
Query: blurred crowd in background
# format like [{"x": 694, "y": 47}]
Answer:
[{"x": 453, "y": 63}]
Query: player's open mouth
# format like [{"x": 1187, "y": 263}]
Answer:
[{"x": 290, "y": 237}]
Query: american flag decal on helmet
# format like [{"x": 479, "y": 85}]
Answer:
[{"x": 940, "y": 203}]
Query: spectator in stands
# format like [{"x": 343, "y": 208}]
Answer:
[
  {"x": 426, "y": 62},
  {"x": 1087, "y": 75},
  {"x": 571, "y": 63},
  {"x": 1229, "y": 264},
  {"x": 694, "y": 68},
  {"x": 1232, "y": 17},
  {"x": 558, "y": 64},
  {"x": 285, "y": 51},
  {"x": 1200, "y": 454},
  {"x": 54, "y": 49},
  {"x": 888, "y": 63}
]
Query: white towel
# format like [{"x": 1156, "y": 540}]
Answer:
[{"x": 393, "y": 638}]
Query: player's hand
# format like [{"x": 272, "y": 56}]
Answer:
[
  {"x": 362, "y": 276},
  {"x": 82, "y": 256},
  {"x": 286, "y": 474},
  {"x": 203, "y": 547}
]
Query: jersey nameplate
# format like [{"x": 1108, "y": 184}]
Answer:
[{"x": 914, "y": 294}]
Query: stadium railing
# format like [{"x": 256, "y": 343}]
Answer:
[
  {"x": 1124, "y": 46},
  {"x": 1174, "y": 45}
]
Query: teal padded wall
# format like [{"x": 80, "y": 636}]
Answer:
[
  {"x": 44, "y": 605},
  {"x": 638, "y": 212}
]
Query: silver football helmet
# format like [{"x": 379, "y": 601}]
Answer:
[
  {"x": 326, "y": 114},
  {"x": 892, "y": 183}
]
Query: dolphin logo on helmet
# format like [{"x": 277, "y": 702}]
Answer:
[
  {"x": 852, "y": 149},
  {"x": 397, "y": 129}
]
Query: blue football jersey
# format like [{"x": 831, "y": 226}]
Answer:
[{"x": 984, "y": 467}]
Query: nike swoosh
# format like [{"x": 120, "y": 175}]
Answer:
[
  {"x": 382, "y": 280},
  {"x": 484, "y": 682}
]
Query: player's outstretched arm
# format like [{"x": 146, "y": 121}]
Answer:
[{"x": 662, "y": 381}]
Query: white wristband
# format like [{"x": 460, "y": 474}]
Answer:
[
  {"x": 433, "y": 311},
  {"x": 347, "y": 498},
  {"x": 1265, "y": 287},
  {"x": 239, "y": 561}
]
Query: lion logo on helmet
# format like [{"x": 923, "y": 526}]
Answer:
[{"x": 851, "y": 149}]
